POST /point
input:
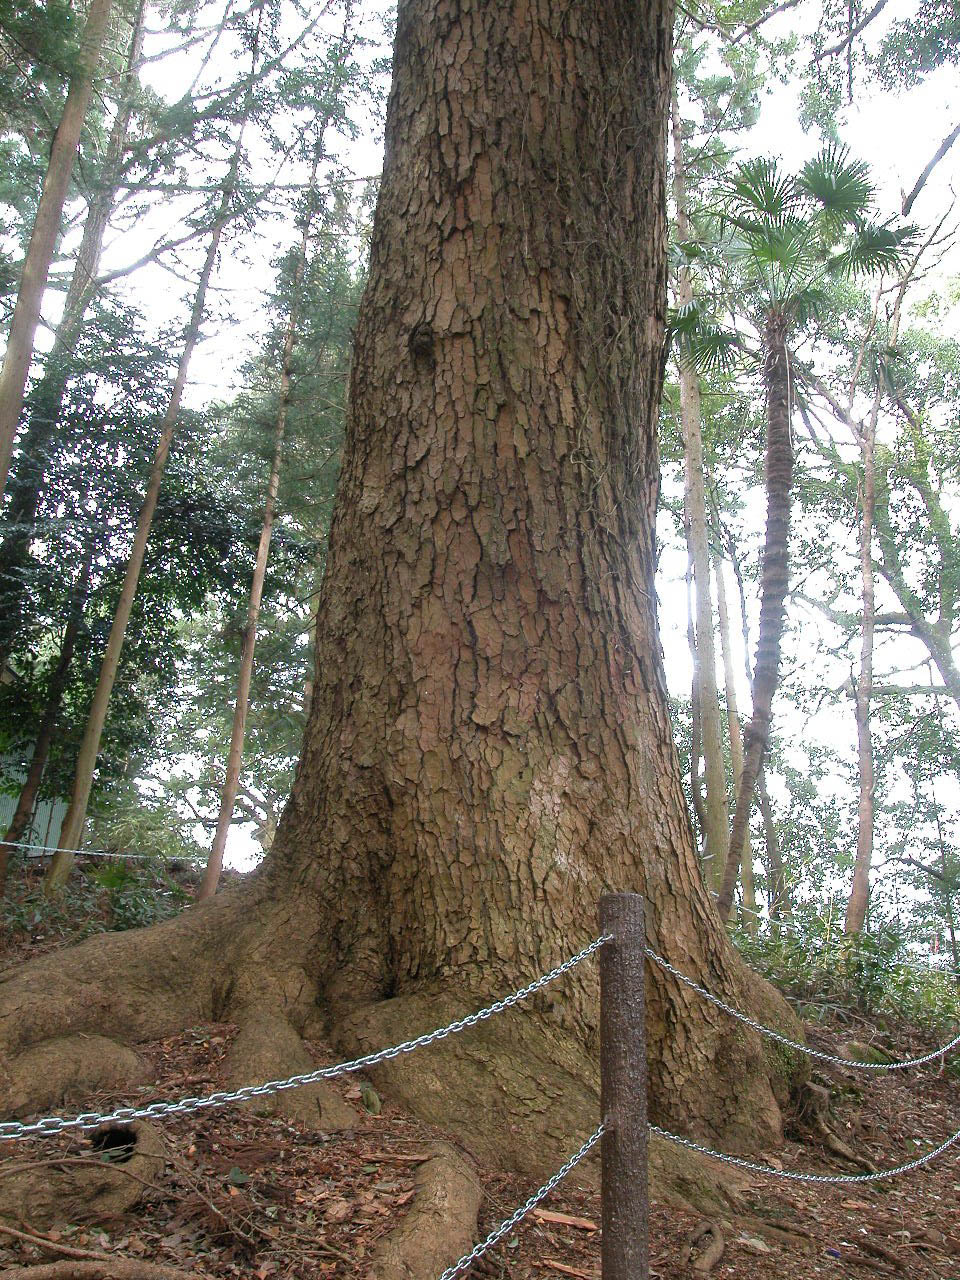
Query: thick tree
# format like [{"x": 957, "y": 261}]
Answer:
[{"x": 489, "y": 744}]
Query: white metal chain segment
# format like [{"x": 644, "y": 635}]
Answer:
[
  {"x": 508, "y": 1224},
  {"x": 790, "y": 1176},
  {"x": 91, "y": 1120},
  {"x": 795, "y": 1044}
]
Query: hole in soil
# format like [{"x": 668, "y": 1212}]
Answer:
[{"x": 114, "y": 1144}]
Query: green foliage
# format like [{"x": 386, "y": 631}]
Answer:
[
  {"x": 827, "y": 972},
  {"x": 99, "y": 899},
  {"x": 912, "y": 48}
]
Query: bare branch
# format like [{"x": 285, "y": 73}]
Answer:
[{"x": 938, "y": 155}]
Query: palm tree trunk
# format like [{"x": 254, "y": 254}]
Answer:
[
  {"x": 47, "y": 398},
  {"x": 736, "y": 745},
  {"x": 26, "y": 802},
  {"x": 46, "y": 229},
  {"x": 774, "y": 581}
]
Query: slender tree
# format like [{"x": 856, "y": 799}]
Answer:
[
  {"x": 46, "y": 229},
  {"x": 791, "y": 234},
  {"x": 715, "y": 807},
  {"x": 73, "y": 821},
  {"x": 27, "y": 800},
  {"x": 736, "y": 741},
  {"x": 47, "y": 398},
  {"x": 235, "y": 756}
]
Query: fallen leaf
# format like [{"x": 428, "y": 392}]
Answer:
[
  {"x": 338, "y": 1211},
  {"x": 565, "y": 1220}
]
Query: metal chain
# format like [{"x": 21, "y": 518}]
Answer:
[
  {"x": 43, "y": 849},
  {"x": 154, "y": 1110},
  {"x": 508, "y": 1224},
  {"x": 795, "y": 1044},
  {"x": 809, "y": 1177}
]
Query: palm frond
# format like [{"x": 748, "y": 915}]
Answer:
[
  {"x": 700, "y": 342},
  {"x": 876, "y": 246},
  {"x": 841, "y": 186},
  {"x": 760, "y": 191},
  {"x": 806, "y": 304}
]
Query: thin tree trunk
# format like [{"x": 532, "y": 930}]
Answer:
[
  {"x": 26, "y": 484},
  {"x": 773, "y": 590},
  {"x": 736, "y": 745},
  {"x": 863, "y": 687},
  {"x": 46, "y": 230},
  {"x": 696, "y": 737},
  {"x": 76, "y": 814},
  {"x": 26, "y": 802},
  {"x": 778, "y": 898},
  {"x": 211, "y": 877},
  {"x": 778, "y": 894},
  {"x": 859, "y": 899},
  {"x": 716, "y": 813}
]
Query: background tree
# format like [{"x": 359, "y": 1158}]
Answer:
[{"x": 791, "y": 233}]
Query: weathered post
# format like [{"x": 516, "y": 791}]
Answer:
[{"x": 623, "y": 1090}]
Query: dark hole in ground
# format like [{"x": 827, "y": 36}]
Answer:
[{"x": 114, "y": 1144}]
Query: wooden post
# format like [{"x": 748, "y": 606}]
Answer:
[{"x": 623, "y": 1090}]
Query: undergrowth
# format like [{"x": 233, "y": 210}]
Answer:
[
  {"x": 832, "y": 976},
  {"x": 97, "y": 899}
]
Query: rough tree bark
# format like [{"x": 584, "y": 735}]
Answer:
[
  {"x": 774, "y": 580},
  {"x": 489, "y": 745},
  {"x": 46, "y": 229}
]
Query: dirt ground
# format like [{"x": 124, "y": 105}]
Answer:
[{"x": 246, "y": 1195}]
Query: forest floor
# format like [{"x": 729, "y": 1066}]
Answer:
[{"x": 265, "y": 1198}]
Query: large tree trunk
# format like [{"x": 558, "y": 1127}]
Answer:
[
  {"x": 26, "y": 484},
  {"x": 46, "y": 229},
  {"x": 489, "y": 746},
  {"x": 775, "y": 574}
]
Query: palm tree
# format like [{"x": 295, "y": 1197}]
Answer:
[{"x": 788, "y": 236}]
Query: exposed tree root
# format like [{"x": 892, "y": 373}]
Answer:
[
  {"x": 268, "y": 1047},
  {"x": 68, "y": 1069},
  {"x": 440, "y": 1226},
  {"x": 83, "y": 1191},
  {"x": 705, "y": 1247},
  {"x": 815, "y": 1101},
  {"x": 519, "y": 1091},
  {"x": 107, "y": 1268}
]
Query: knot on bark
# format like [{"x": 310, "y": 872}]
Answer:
[{"x": 421, "y": 345}]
